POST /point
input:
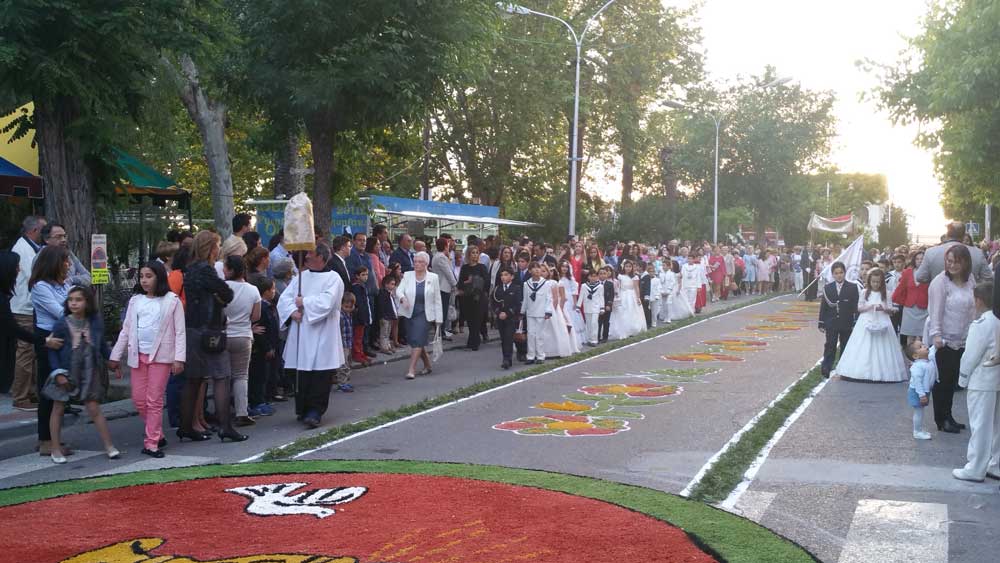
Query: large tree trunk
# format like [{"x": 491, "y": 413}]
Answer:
[
  {"x": 210, "y": 117},
  {"x": 70, "y": 197},
  {"x": 628, "y": 163},
  {"x": 322, "y": 138},
  {"x": 669, "y": 178},
  {"x": 289, "y": 168}
]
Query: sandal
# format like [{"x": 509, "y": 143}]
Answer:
[
  {"x": 425, "y": 371},
  {"x": 411, "y": 375}
]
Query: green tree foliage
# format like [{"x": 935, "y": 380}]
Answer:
[
  {"x": 948, "y": 79},
  {"x": 354, "y": 66},
  {"x": 894, "y": 229}
]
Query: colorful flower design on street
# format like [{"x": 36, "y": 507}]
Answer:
[
  {"x": 665, "y": 375},
  {"x": 568, "y": 406},
  {"x": 703, "y": 357},
  {"x": 632, "y": 390},
  {"x": 564, "y": 425},
  {"x": 737, "y": 344},
  {"x": 773, "y": 328}
]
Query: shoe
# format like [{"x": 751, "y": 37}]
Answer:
[
  {"x": 113, "y": 453},
  {"x": 244, "y": 421},
  {"x": 190, "y": 435},
  {"x": 27, "y": 407},
  {"x": 447, "y": 338},
  {"x": 963, "y": 475},
  {"x": 232, "y": 435},
  {"x": 993, "y": 474},
  {"x": 311, "y": 422},
  {"x": 346, "y": 387},
  {"x": 279, "y": 399},
  {"x": 411, "y": 375},
  {"x": 161, "y": 444},
  {"x": 539, "y": 362},
  {"x": 948, "y": 427},
  {"x": 58, "y": 458},
  {"x": 505, "y": 365},
  {"x": 425, "y": 371},
  {"x": 265, "y": 409},
  {"x": 252, "y": 412},
  {"x": 956, "y": 423},
  {"x": 370, "y": 353},
  {"x": 921, "y": 435},
  {"x": 522, "y": 359},
  {"x": 45, "y": 448},
  {"x": 153, "y": 453}
]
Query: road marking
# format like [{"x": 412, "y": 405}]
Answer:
[
  {"x": 754, "y": 504},
  {"x": 739, "y": 434},
  {"x": 891, "y": 531},
  {"x": 34, "y": 462},
  {"x": 165, "y": 462},
  {"x": 751, "y": 473},
  {"x": 511, "y": 384}
]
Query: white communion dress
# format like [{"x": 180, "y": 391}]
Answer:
[
  {"x": 873, "y": 352},
  {"x": 627, "y": 317}
]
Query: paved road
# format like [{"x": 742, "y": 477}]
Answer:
[
  {"x": 664, "y": 447},
  {"x": 377, "y": 389}
]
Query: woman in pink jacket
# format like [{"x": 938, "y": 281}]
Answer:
[{"x": 154, "y": 332}]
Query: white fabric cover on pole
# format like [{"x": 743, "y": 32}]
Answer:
[
  {"x": 851, "y": 257},
  {"x": 822, "y": 224}
]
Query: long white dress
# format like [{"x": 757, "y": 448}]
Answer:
[
  {"x": 680, "y": 308},
  {"x": 627, "y": 317},
  {"x": 873, "y": 355},
  {"x": 558, "y": 340},
  {"x": 571, "y": 312},
  {"x": 691, "y": 282}
]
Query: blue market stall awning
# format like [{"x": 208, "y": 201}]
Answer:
[
  {"x": 17, "y": 182},
  {"x": 442, "y": 211}
]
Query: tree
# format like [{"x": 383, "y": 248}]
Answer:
[
  {"x": 948, "y": 77},
  {"x": 84, "y": 65},
  {"x": 353, "y": 66},
  {"x": 893, "y": 231}
]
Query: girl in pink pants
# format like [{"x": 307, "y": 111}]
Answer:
[{"x": 153, "y": 330}]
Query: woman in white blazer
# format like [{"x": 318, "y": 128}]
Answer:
[{"x": 419, "y": 297}]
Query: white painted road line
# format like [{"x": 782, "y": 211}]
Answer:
[
  {"x": 891, "y": 531},
  {"x": 739, "y": 434},
  {"x": 751, "y": 473},
  {"x": 519, "y": 381},
  {"x": 34, "y": 462}
]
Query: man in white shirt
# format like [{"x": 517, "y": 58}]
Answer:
[
  {"x": 23, "y": 389},
  {"x": 313, "y": 319}
]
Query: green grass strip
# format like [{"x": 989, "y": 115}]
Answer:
[
  {"x": 344, "y": 430},
  {"x": 727, "y": 473},
  {"x": 733, "y": 539}
]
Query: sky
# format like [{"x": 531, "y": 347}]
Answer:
[{"x": 817, "y": 43}]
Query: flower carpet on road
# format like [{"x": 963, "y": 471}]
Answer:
[
  {"x": 370, "y": 512},
  {"x": 703, "y": 357}
]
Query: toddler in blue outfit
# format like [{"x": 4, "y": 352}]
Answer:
[{"x": 923, "y": 375}]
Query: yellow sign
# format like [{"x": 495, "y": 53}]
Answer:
[{"x": 100, "y": 277}]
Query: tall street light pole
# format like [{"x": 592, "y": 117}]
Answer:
[
  {"x": 717, "y": 119},
  {"x": 574, "y": 158}
]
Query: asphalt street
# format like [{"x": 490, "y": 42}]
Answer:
[{"x": 379, "y": 388}]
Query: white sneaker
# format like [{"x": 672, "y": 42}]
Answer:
[
  {"x": 964, "y": 475},
  {"x": 921, "y": 435}
]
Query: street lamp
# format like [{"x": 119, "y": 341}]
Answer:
[
  {"x": 515, "y": 9},
  {"x": 717, "y": 119}
]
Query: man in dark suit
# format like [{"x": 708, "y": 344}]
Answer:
[
  {"x": 403, "y": 255},
  {"x": 604, "y": 320},
  {"x": 837, "y": 313},
  {"x": 338, "y": 262},
  {"x": 506, "y": 303}
]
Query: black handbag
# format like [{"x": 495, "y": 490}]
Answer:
[{"x": 213, "y": 337}]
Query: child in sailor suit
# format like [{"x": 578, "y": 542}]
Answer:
[
  {"x": 668, "y": 287},
  {"x": 536, "y": 306},
  {"x": 655, "y": 290},
  {"x": 591, "y": 301}
]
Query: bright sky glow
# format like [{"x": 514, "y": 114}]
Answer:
[{"x": 817, "y": 43}]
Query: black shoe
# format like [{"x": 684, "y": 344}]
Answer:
[
  {"x": 956, "y": 423},
  {"x": 539, "y": 362},
  {"x": 505, "y": 365},
  {"x": 191, "y": 435},
  {"x": 370, "y": 353},
  {"x": 311, "y": 422},
  {"x": 153, "y": 453},
  {"x": 232, "y": 435},
  {"x": 522, "y": 359},
  {"x": 949, "y": 427},
  {"x": 161, "y": 444}
]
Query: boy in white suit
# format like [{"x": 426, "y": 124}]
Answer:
[
  {"x": 536, "y": 307},
  {"x": 983, "y": 395},
  {"x": 668, "y": 287},
  {"x": 591, "y": 301},
  {"x": 655, "y": 289}
]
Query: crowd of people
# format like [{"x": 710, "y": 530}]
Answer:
[
  {"x": 935, "y": 309},
  {"x": 245, "y": 327}
]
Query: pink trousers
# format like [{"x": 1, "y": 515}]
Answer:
[{"x": 149, "y": 383}]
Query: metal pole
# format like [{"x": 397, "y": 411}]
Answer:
[
  {"x": 715, "y": 211},
  {"x": 986, "y": 225},
  {"x": 574, "y": 157}
]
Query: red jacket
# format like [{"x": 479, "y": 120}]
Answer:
[{"x": 909, "y": 293}]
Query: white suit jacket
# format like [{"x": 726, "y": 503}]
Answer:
[
  {"x": 979, "y": 347},
  {"x": 407, "y": 295}
]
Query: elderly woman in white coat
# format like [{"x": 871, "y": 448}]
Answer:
[
  {"x": 419, "y": 297},
  {"x": 983, "y": 390}
]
